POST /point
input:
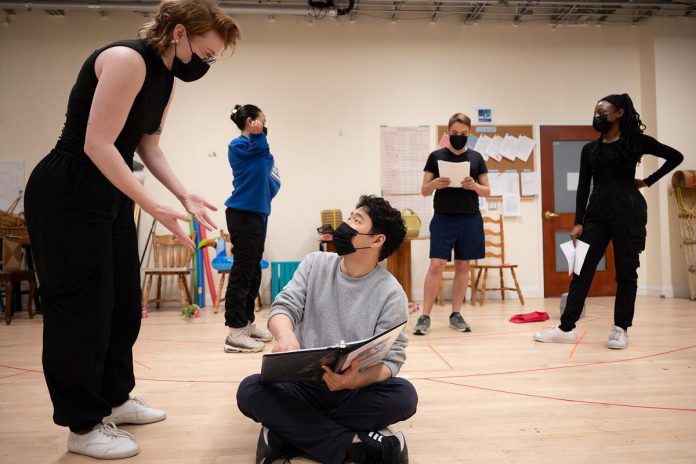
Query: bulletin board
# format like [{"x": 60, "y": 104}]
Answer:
[{"x": 504, "y": 164}]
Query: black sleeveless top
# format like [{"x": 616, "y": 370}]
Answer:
[{"x": 145, "y": 115}]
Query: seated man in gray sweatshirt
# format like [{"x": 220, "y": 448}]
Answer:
[{"x": 332, "y": 297}]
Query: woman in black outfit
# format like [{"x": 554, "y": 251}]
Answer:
[
  {"x": 616, "y": 212},
  {"x": 79, "y": 209}
]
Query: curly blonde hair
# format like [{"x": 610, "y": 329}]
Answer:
[{"x": 197, "y": 16}]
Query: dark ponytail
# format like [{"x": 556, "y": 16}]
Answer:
[
  {"x": 631, "y": 129},
  {"x": 241, "y": 113}
]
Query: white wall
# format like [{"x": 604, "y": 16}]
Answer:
[
  {"x": 675, "y": 94},
  {"x": 326, "y": 88}
]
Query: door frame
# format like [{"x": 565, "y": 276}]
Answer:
[{"x": 540, "y": 206}]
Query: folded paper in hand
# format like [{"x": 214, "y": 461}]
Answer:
[
  {"x": 306, "y": 364},
  {"x": 575, "y": 255}
]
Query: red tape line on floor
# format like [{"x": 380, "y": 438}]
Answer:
[{"x": 568, "y": 400}]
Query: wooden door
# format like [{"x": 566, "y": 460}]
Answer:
[{"x": 560, "y": 165}]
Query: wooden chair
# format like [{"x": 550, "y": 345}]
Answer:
[
  {"x": 223, "y": 275},
  {"x": 12, "y": 273},
  {"x": 450, "y": 269},
  {"x": 171, "y": 258},
  {"x": 495, "y": 249}
]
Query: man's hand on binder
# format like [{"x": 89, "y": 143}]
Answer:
[
  {"x": 288, "y": 343},
  {"x": 342, "y": 381}
]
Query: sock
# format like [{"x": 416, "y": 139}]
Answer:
[{"x": 565, "y": 329}]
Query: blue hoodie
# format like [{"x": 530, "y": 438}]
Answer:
[{"x": 256, "y": 179}]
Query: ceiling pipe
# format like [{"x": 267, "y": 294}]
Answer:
[
  {"x": 153, "y": 5},
  {"x": 394, "y": 7},
  {"x": 143, "y": 6}
]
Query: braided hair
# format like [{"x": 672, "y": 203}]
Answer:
[
  {"x": 240, "y": 113},
  {"x": 631, "y": 127}
]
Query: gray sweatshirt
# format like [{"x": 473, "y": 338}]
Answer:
[{"x": 326, "y": 306}]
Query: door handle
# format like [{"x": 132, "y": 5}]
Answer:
[{"x": 550, "y": 214}]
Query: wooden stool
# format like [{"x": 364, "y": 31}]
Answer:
[{"x": 7, "y": 278}]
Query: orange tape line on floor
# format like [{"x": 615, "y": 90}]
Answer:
[{"x": 572, "y": 352}]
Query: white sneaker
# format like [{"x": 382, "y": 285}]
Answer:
[
  {"x": 134, "y": 411},
  {"x": 258, "y": 333},
  {"x": 240, "y": 341},
  {"x": 618, "y": 338},
  {"x": 105, "y": 441},
  {"x": 556, "y": 335}
]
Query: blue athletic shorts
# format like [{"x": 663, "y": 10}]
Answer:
[{"x": 463, "y": 232}]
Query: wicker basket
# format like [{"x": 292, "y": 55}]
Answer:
[
  {"x": 684, "y": 179},
  {"x": 16, "y": 232},
  {"x": 9, "y": 219},
  {"x": 11, "y": 253},
  {"x": 412, "y": 222},
  {"x": 331, "y": 219}
]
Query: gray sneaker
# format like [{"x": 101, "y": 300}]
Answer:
[
  {"x": 240, "y": 341},
  {"x": 260, "y": 334},
  {"x": 457, "y": 322},
  {"x": 422, "y": 325}
]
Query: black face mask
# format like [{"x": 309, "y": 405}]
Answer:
[
  {"x": 601, "y": 124},
  {"x": 343, "y": 239},
  {"x": 191, "y": 71},
  {"x": 458, "y": 141}
]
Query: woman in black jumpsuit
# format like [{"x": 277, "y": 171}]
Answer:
[
  {"x": 616, "y": 212},
  {"x": 79, "y": 209}
]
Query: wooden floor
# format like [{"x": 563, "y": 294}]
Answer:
[{"x": 489, "y": 396}]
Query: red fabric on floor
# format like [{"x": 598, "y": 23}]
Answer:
[{"x": 535, "y": 316}]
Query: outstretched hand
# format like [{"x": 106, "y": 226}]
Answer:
[
  {"x": 196, "y": 206},
  {"x": 169, "y": 218}
]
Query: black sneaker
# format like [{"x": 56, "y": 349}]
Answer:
[
  {"x": 376, "y": 448},
  {"x": 271, "y": 447}
]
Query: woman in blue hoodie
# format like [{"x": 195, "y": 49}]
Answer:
[{"x": 256, "y": 182}]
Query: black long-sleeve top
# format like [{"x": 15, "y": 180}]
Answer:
[{"x": 612, "y": 168}]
